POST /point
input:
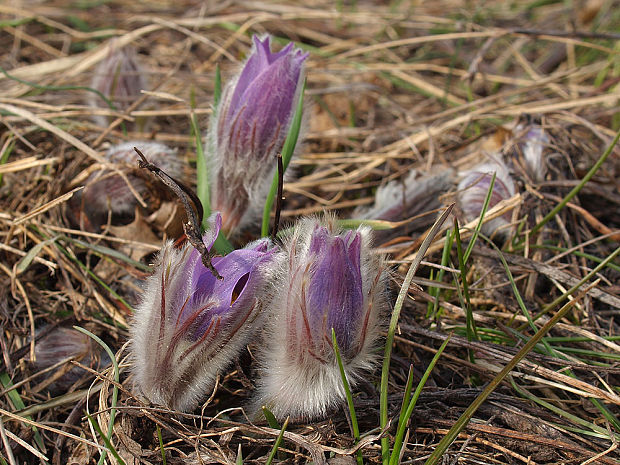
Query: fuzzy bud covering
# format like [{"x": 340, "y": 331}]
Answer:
[
  {"x": 106, "y": 192},
  {"x": 191, "y": 325},
  {"x": 332, "y": 279},
  {"x": 120, "y": 78},
  {"x": 473, "y": 188},
  {"x": 532, "y": 141},
  {"x": 249, "y": 129}
]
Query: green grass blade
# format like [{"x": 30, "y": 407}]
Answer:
[
  {"x": 19, "y": 405},
  {"x": 217, "y": 87},
  {"x": 445, "y": 257},
  {"x": 485, "y": 207},
  {"x": 472, "y": 333},
  {"x": 347, "y": 390},
  {"x": 402, "y": 425},
  {"x": 406, "y": 395},
  {"x": 202, "y": 172},
  {"x": 274, "y": 450},
  {"x": 270, "y": 417},
  {"x": 5, "y": 156},
  {"x": 106, "y": 441},
  {"x": 106, "y": 438},
  {"x": 400, "y": 300},
  {"x": 287, "y": 154},
  {"x": 161, "y": 446},
  {"x": 103, "y": 251},
  {"x": 578, "y": 187},
  {"x": 473, "y": 407},
  {"x": 239, "y": 460}
]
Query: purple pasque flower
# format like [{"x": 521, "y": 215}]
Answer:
[
  {"x": 249, "y": 128},
  {"x": 472, "y": 191},
  {"x": 191, "y": 325},
  {"x": 333, "y": 279},
  {"x": 119, "y": 77}
]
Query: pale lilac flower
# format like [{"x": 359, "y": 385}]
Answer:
[
  {"x": 191, "y": 325},
  {"x": 249, "y": 129},
  {"x": 332, "y": 280},
  {"x": 531, "y": 141},
  {"x": 120, "y": 78},
  {"x": 401, "y": 199},
  {"x": 107, "y": 193},
  {"x": 473, "y": 188}
]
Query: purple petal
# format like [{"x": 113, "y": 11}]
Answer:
[
  {"x": 335, "y": 296},
  {"x": 226, "y": 297}
]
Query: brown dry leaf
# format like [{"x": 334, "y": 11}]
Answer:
[
  {"x": 139, "y": 230},
  {"x": 168, "y": 219}
]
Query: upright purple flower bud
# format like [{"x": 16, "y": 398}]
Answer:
[
  {"x": 473, "y": 189},
  {"x": 332, "y": 280},
  {"x": 120, "y": 78},
  {"x": 249, "y": 129},
  {"x": 106, "y": 192},
  {"x": 190, "y": 325},
  {"x": 531, "y": 141}
]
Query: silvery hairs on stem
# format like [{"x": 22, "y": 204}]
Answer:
[
  {"x": 190, "y": 325},
  {"x": 331, "y": 279},
  {"x": 248, "y": 130}
]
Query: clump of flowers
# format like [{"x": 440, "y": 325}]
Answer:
[
  {"x": 249, "y": 129},
  {"x": 120, "y": 78},
  {"x": 332, "y": 279},
  {"x": 191, "y": 325},
  {"x": 472, "y": 191},
  {"x": 107, "y": 193}
]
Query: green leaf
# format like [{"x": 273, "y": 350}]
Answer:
[
  {"x": 287, "y": 154},
  {"x": 400, "y": 300},
  {"x": 276, "y": 445},
  {"x": 347, "y": 390}
]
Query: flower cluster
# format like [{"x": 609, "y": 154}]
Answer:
[
  {"x": 190, "y": 325},
  {"x": 193, "y": 320}
]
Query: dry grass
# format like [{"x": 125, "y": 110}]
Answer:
[{"x": 392, "y": 86}]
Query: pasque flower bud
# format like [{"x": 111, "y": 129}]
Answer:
[
  {"x": 332, "y": 280},
  {"x": 120, "y": 78},
  {"x": 249, "y": 129},
  {"x": 531, "y": 141},
  {"x": 191, "y": 325},
  {"x": 401, "y": 199},
  {"x": 66, "y": 344},
  {"x": 107, "y": 193},
  {"x": 473, "y": 188}
]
